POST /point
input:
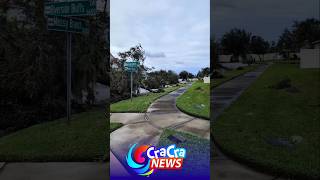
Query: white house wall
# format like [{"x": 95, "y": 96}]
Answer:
[
  {"x": 309, "y": 58},
  {"x": 265, "y": 57}
]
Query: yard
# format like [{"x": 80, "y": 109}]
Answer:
[
  {"x": 196, "y": 100},
  {"x": 275, "y": 124},
  {"x": 84, "y": 139},
  {"x": 140, "y": 103}
]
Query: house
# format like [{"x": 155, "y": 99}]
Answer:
[
  {"x": 310, "y": 57},
  {"x": 115, "y": 63},
  {"x": 182, "y": 81},
  {"x": 206, "y": 80},
  {"x": 101, "y": 94}
]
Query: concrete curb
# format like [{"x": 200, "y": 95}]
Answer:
[{"x": 193, "y": 115}]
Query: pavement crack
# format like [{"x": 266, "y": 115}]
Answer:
[{"x": 146, "y": 117}]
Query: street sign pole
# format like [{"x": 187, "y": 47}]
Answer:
[
  {"x": 131, "y": 86},
  {"x": 69, "y": 39},
  {"x": 131, "y": 67},
  {"x": 58, "y": 19}
]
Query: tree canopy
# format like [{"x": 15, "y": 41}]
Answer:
[
  {"x": 259, "y": 46},
  {"x": 302, "y": 33},
  {"x": 32, "y": 64},
  {"x": 183, "y": 75},
  {"x": 203, "y": 72},
  {"x": 236, "y": 42}
]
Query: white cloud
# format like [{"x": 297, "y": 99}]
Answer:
[{"x": 179, "y": 30}]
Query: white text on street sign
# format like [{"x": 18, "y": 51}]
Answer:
[
  {"x": 59, "y": 23},
  {"x": 71, "y": 8}
]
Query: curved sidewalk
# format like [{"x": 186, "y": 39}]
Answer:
[
  {"x": 222, "y": 97},
  {"x": 164, "y": 114},
  {"x": 146, "y": 128}
]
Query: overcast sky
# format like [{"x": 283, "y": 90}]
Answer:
[
  {"x": 266, "y": 18},
  {"x": 174, "y": 33}
]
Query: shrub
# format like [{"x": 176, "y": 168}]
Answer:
[
  {"x": 283, "y": 84},
  {"x": 217, "y": 74}
]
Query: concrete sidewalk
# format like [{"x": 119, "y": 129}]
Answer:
[
  {"x": 164, "y": 114},
  {"x": 222, "y": 96},
  {"x": 147, "y": 128}
]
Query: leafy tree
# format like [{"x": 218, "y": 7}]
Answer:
[
  {"x": 259, "y": 46},
  {"x": 236, "y": 42},
  {"x": 273, "y": 47},
  {"x": 190, "y": 75},
  {"x": 203, "y": 72},
  {"x": 214, "y": 54},
  {"x": 158, "y": 79},
  {"x": 32, "y": 65},
  {"x": 303, "y": 33},
  {"x": 184, "y": 75},
  {"x": 306, "y": 32},
  {"x": 286, "y": 41},
  {"x": 153, "y": 80},
  {"x": 120, "y": 79},
  {"x": 136, "y": 53},
  {"x": 173, "y": 78},
  {"x": 119, "y": 86}
]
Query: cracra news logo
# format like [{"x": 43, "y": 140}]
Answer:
[{"x": 145, "y": 159}]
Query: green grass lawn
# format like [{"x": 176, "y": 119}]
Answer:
[
  {"x": 230, "y": 74},
  {"x": 263, "y": 113},
  {"x": 197, "y": 156},
  {"x": 196, "y": 100},
  {"x": 84, "y": 139},
  {"x": 140, "y": 103},
  {"x": 114, "y": 126}
]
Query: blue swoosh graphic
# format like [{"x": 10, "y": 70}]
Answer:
[{"x": 130, "y": 161}]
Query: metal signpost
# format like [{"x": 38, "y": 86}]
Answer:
[
  {"x": 58, "y": 19},
  {"x": 131, "y": 66}
]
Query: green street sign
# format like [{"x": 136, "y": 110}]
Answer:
[
  {"x": 71, "y": 8},
  {"x": 131, "y": 64},
  {"x": 131, "y": 69},
  {"x": 59, "y": 23}
]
